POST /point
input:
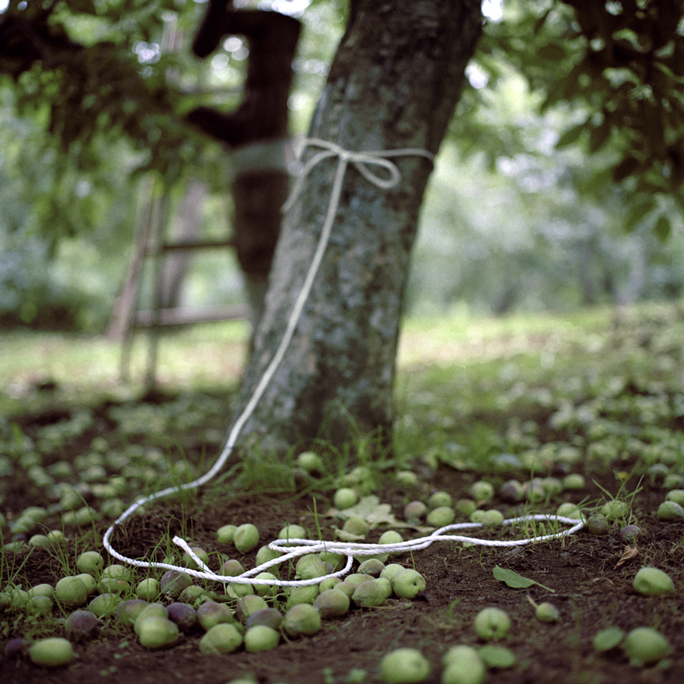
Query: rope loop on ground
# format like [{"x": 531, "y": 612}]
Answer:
[{"x": 291, "y": 549}]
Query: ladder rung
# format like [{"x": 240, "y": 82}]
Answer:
[
  {"x": 196, "y": 244},
  {"x": 190, "y": 316}
]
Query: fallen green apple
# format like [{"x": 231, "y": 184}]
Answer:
[
  {"x": 492, "y": 624},
  {"x": 546, "y": 612},
  {"x": 51, "y": 652},
  {"x": 221, "y": 638},
  {"x": 147, "y": 589},
  {"x": 302, "y": 620},
  {"x": 157, "y": 632},
  {"x": 90, "y": 562},
  {"x": 439, "y": 499},
  {"x": 232, "y": 567},
  {"x": 266, "y": 616},
  {"x": 345, "y": 497},
  {"x": 303, "y": 594},
  {"x": 406, "y": 478},
  {"x": 670, "y": 510},
  {"x": 615, "y": 509},
  {"x": 331, "y": 604},
  {"x": 404, "y": 666},
  {"x": 645, "y": 645},
  {"x": 574, "y": 482},
  {"x": 149, "y": 611},
  {"x": 414, "y": 511},
  {"x": 492, "y": 518},
  {"x": 368, "y": 594},
  {"x": 652, "y": 582},
  {"x": 246, "y": 537},
  {"x": 356, "y": 525},
  {"x": 268, "y": 589},
  {"x": 89, "y": 581},
  {"x": 511, "y": 491},
  {"x": 390, "y": 570},
  {"x": 39, "y": 605},
  {"x": 174, "y": 582},
  {"x": 463, "y": 665},
  {"x": 211, "y": 613},
  {"x": 261, "y": 638},
  {"x": 372, "y": 567},
  {"x": 598, "y": 525},
  {"x": 390, "y": 537},
  {"x": 497, "y": 656},
  {"x": 189, "y": 562},
  {"x": 225, "y": 534},
  {"x": 481, "y": 490},
  {"x": 408, "y": 583},
  {"x": 676, "y": 495},
  {"x": 441, "y": 516},
  {"x": 310, "y": 461},
  {"x": 292, "y": 532},
  {"x": 71, "y": 591},
  {"x": 127, "y": 612}
]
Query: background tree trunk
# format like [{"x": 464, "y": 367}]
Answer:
[
  {"x": 256, "y": 133},
  {"x": 394, "y": 83}
]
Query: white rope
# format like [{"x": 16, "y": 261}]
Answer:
[
  {"x": 293, "y": 548},
  {"x": 361, "y": 161}
]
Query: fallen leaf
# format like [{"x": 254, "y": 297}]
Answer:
[
  {"x": 627, "y": 554},
  {"x": 345, "y": 536},
  {"x": 371, "y": 510},
  {"x": 514, "y": 580}
]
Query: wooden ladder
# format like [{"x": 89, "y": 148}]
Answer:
[{"x": 150, "y": 244}]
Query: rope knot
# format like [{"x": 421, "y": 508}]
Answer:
[{"x": 361, "y": 160}]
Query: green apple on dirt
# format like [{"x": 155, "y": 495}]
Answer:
[
  {"x": 408, "y": 583},
  {"x": 345, "y": 497},
  {"x": 246, "y": 537},
  {"x": 492, "y": 624},
  {"x": 221, "y": 638},
  {"x": 331, "y": 604},
  {"x": 302, "y": 620},
  {"x": 651, "y": 581},
  {"x": 261, "y": 638},
  {"x": 51, "y": 652},
  {"x": 157, "y": 632},
  {"x": 463, "y": 665},
  {"x": 71, "y": 591},
  {"x": 645, "y": 645},
  {"x": 404, "y": 666}
]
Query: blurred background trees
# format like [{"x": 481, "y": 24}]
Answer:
[{"x": 559, "y": 185}]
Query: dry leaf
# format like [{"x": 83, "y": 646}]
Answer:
[{"x": 627, "y": 554}]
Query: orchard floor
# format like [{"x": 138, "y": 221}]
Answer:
[{"x": 590, "y": 588}]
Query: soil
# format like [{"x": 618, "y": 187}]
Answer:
[{"x": 590, "y": 587}]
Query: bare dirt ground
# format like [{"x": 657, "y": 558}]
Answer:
[{"x": 590, "y": 587}]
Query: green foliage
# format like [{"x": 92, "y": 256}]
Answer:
[
  {"x": 616, "y": 70},
  {"x": 47, "y": 277},
  {"x": 575, "y": 108}
]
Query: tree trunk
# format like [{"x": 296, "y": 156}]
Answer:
[
  {"x": 394, "y": 83},
  {"x": 256, "y": 133}
]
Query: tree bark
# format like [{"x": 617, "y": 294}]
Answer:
[{"x": 394, "y": 83}]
